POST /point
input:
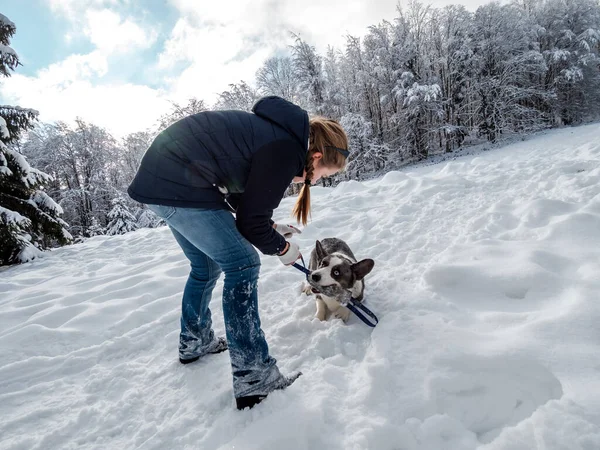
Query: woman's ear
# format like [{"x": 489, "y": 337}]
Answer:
[{"x": 317, "y": 156}]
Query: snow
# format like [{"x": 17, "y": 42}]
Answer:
[
  {"x": 4, "y": 170},
  {"x": 10, "y": 217},
  {"x": 486, "y": 288},
  {"x": 6, "y": 50},
  {"x": 559, "y": 55},
  {"x": 4, "y": 133},
  {"x": 572, "y": 74},
  {"x": 30, "y": 176},
  {"x": 6, "y": 22},
  {"x": 419, "y": 92},
  {"x": 28, "y": 251},
  {"x": 42, "y": 200}
]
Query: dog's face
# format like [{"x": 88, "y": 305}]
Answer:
[{"x": 337, "y": 271}]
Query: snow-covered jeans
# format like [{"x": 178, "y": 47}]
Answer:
[{"x": 213, "y": 244}]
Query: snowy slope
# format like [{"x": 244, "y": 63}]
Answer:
[{"x": 487, "y": 288}]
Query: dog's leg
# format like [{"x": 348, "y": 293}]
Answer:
[
  {"x": 339, "y": 311},
  {"x": 321, "y": 309},
  {"x": 342, "y": 313},
  {"x": 306, "y": 289}
]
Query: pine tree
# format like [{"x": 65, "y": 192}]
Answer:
[
  {"x": 95, "y": 229},
  {"x": 147, "y": 219},
  {"x": 29, "y": 218},
  {"x": 121, "y": 220}
]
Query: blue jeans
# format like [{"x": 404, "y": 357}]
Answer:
[{"x": 212, "y": 243}]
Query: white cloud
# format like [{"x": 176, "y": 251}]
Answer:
[
  {"x": 74, "y": 87},
  {"x": 74, "y": 7},
  {"x": 100, "y": 22},
  {"x": 109, "y": 33},
  {"x": 217, "y": 56},
  {"x": 64, "y": 91},
  {"x": 74, "y": 68},
  {"x": 121, "y": 108}
]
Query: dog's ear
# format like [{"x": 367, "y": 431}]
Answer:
[
  {"x": 321, "y": 253},
  {"x": 362, "y": 268}
]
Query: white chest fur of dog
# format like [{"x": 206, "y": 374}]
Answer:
[{"x": 335, "y": 275}]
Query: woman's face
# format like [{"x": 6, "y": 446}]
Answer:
[{"x": 319, "y": 171}]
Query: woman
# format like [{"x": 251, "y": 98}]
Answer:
[{"x": 200, "y": 170}]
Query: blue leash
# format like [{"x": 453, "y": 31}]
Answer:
[
  {"x": 356, "y": 307},
  {"x": 302, "y": 268}
]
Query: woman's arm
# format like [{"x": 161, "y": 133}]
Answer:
[{"x": 272, "y": 170}]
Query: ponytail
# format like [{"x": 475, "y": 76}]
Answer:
[
  {"x": 302, "y": 206},
  {"x": 324, "y": 137}
]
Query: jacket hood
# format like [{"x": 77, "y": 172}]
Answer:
[{"x": 287, "y": 115}]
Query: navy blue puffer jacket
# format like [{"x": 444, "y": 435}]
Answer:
[{"x": 252, "y": 157}]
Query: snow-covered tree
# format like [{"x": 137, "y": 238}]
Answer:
[
  {"x": 178, "y": 112},
  {"x": 29, "y": 218},
  {"x": 367, "y": 154},
  {"x": 95, "y": 229},
  {"x": 335, "y": 93},
  {"x": 276, "y": 77},
  {"x": 569, "y": 39},
  {"x": 309, "y": 72},
  {"x": 239, "y": 96},
  {"x": 452, "y": 53},
  {"x": 361, "y": 101},
  {"x": 384, "y": 64},
  {"x": 121, "y": 220},
  {"x": 147, "y": 219},
  {"x": 88, "y": 157},
  {"x": 9, "y": 60},
  {"x": 421, "y": 111},
  {"x": 89, "y": 166},
  {"x": 16, "y": 119},
  {"x": 133, "y": 146},
  {"x": 509, "y": 71}
]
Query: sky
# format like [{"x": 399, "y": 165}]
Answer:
[{"x": 119, "y": 63}]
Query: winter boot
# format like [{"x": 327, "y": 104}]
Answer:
[
  {"x": 251, "y": 400},
  {"x": 217, "y": 346}
]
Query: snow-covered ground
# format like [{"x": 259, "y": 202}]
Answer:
[{"x": 486, "y": 284}]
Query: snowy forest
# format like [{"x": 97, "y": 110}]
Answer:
[{"x": 429, "y": 81}]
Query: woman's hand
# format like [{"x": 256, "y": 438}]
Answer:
[
  {"x": 291, "y": 254},
  {"x": 287, "y": 231}
]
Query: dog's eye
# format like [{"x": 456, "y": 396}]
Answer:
[
  {"x": 324, "y": 264},
  {"x": 336, "y": 273}
]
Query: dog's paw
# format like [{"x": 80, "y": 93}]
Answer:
[
  {"x": 342, "y": 313},
  {"x": 306, "y": 289}
]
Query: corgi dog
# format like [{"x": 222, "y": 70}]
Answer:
[{"x": 335, "y": 276}]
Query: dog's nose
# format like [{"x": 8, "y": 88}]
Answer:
[{"x": 316, "y": 277}]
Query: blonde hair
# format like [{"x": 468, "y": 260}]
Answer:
[{"x": 324, "y": 134}]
